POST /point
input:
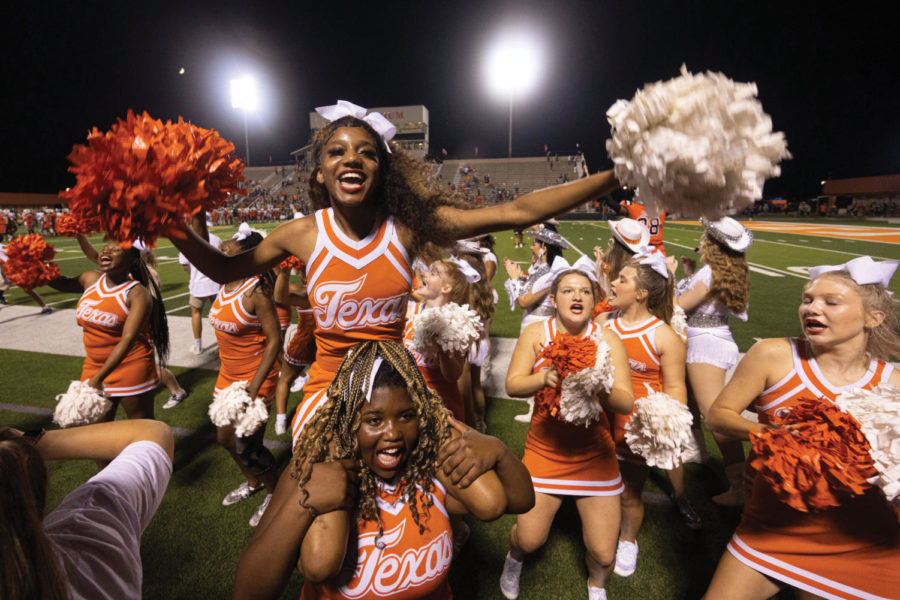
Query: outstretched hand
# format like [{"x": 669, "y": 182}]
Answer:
[
  {"x": 469, "y": 456},
  {"x": 332, "y": 486}
]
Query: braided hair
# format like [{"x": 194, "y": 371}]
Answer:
[
  {"x": 332, "y": 432},
  {"x": 159, "y": 325}
]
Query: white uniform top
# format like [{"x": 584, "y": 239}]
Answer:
[{"x": 201, "y": 286}]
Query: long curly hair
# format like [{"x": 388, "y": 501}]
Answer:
[
  {"x": 406, "y": 187},
  {"x": 730, "y": 281},
  {"x": 882, "y": 341},
  {"x": 332, "y": 432},
  {"x": 660, "y": 290}
]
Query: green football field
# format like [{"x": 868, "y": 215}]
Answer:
[{"x": 191, "y": 548}]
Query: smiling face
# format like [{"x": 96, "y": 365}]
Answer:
[
  {"x": 624, "y": 291},
  {"x": 388, "y": 431},
  {"x": 112, "y": 258},
  {"x": 350, "y": 166},
  {"x": 574, "y": 297},
  {"x": 433, "y": 281},
  {"x": 832, "y": 311}
]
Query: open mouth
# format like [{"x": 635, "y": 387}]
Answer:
[
  {"x": 389, "y": 457},
  {"x": 813, "y": 326},
  {"x": 104, "y": 261},
  {"x": 577, "y": 308},
  {"x": 351, "y": 181}
]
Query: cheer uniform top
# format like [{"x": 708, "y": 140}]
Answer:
[
  {"x": 430, "y": 368},
  {"x": 241, "y": 340},
  {"x": 568, "y": 459},
  {"x": 404, "y": 563},
  {"x": 850, "y": 551},
  {"x": 284, "y": 315},
  {"x": 101, "y": 313},
  {"x": 643, "y": 358},
  {"x": 708, "y": 335},
  {"x": 358, "y": 291}
]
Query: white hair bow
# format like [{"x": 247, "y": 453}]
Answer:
[
  {"x": 583, "y": 264},
  {"x": 467, "y": 270},
  {"x": 343, "y": 108},
  {"x": 863, "y": 270},
  {"x": 243, "y": 232},
  {"x": 654, "y": 260}
]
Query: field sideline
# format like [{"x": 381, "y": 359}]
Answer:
[{"x": 192, "y": 529}]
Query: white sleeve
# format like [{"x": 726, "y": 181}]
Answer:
[{"x": 182, "y": 259}]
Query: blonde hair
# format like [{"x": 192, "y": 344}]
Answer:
[
  {"x": 883, "y": 340},
  {"x": 730, "y": 282},
  {"x": 660, "y": 290},
  {"x": 332, "y": 432}
]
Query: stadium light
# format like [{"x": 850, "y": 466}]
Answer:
[
  {"x": 245, "y": 97},
  {"x": 512, "y": 68}
]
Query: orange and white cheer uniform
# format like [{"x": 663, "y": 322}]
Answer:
[
  {"x": 568, "y": 459},
  {"x": 301, "y": 350},
  {"x": 241, "y": 340},
  {"x": 285, "y": 313},
  {"x": 430, "y": 368},
  {"x": 850, "y": 551},
  {"x": 404, "y": 563},
  {"x": 358, "y": 291},
  {"x": 643, "y": 358},
  {"x": 101, "y": 313}
]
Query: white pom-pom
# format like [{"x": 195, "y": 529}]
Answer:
[
  {"x": 234, "y": 406},
  {"x": 578, "y": 403},
  {"x": 878, "y": 413},
  {"x": 695, "y": 145},
  {"x": 679, "y": 321},
  {"x": 80, "y": 405},
  {"x": 449, "y": 328},
  {"x": 659, "y": 430}
]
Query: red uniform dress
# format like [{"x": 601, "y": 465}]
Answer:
[
  {"x": 567, "y": 459},
  {"x": 241, "y": 340},
  {"x": 850, "y": 551},
  {"x": 358, "y": 291},
  {"x": 655, "y": 225},
  {"x": 431, "y": 371},
  {"x": 101, "y": 313},
  {"x": 643, "y": 358},
  {"x": 408, "y": 565}
]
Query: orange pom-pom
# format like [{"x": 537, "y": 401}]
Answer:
[
  {"x": 818, "y": 458},
  {"x": 142, "y": 178},
  {"x": 29, "y": 263},
  {"x": 569, "y": 354},
  {"x": 292, "y": 262},
  {"x": 71, "y": 225}
]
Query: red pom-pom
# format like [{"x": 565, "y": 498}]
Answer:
[
  {"x": 71, "y": 225},
  {"x": 142, "y": 178},
  {"x": 29, "y": 263},
  {"x": 818, "y": 458},
  {"x": 292, "y": 262},
  {"x": 569, "y": 354}
]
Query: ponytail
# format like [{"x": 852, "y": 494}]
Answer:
[{"x": 159, "y": 325}]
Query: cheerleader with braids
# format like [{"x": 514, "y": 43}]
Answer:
[
  {"x": 249, "y": 338},
  {"x": 395, "y": 465},
  {"x": 124, "y": 321}
]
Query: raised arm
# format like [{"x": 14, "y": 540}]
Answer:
[
  {"x": 527, "y": 210},
  {"x": 87, "y": 248}
]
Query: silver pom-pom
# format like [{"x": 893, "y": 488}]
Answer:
[
  {"x": 80, "y": 405},
  {"x": 234, "y": 406},
  {"x": 659, "y": 430},
  {"x": 696, "y": 145}
]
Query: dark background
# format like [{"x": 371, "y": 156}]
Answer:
[{"x": 827, "y": 73}]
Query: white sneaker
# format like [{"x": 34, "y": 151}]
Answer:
[
  {"x": 299, "y": 382},
  {"x": 595, "y": 593},
  {"x": 509, "y": 578},
  {"x": 526, "y": 418},
  {"x": 258, "y": 515},
  {"x": 175, "y": 398},
  {"x": 241, "y": 492},
  {"x": 626, "y": 558},
  {"x": 196, "y": 349},
  {"x": 280, "y": 424}
]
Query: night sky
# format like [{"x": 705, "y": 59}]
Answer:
[{"x": 827, "y": 72}]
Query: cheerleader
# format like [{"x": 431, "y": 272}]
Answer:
[
  {"x": 642, "y": 299},
  {"x": 566, "y": 459},
  {"x": 246, "y": 326},
  {"x": 123, "y": 319},
  {"x": 849, "y": 323},
  {"x": 375, "y": 211},
  {"x": 719, "y": 290},
  {"x": 628, "y": 237},
  {"x": 386, "y": 458}
]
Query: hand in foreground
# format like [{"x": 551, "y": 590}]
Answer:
[
  {"x": 332, "y": 486},
  {"x": 598, "y": 253},
  {"x": 551, "y": 377},
  {"x": 512, "y": 269},
  {"x": 671, "y": 264},
  {"x": 469, "y": 456}
]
